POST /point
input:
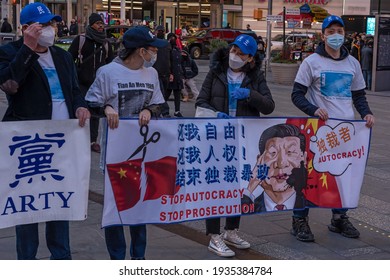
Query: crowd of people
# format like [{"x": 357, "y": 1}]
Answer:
[{"x": 235, "y": 86}]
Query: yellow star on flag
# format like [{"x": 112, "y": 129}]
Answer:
[{"x": 122, "y": 173}]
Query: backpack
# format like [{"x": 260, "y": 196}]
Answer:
[{"x": 81, "y": 44}]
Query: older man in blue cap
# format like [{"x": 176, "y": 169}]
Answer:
[
  {"x": 334, "y": 83},
  {"x": 41, "y": 84}
]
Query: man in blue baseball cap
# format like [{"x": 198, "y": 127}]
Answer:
[
  {"x": 235, "y": 86},
  {"x": 41, "y": 84},
  {"x": 327, "y": 84}
]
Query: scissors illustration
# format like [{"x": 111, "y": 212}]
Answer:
[{"x": 144, "y": 130}]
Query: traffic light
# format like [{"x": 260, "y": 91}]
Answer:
[{"x": 258, "y": 14}]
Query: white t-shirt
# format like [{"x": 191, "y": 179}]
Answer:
[
  {"x": 331, "y": 82},
  {"x": 127, "y": 91},
  {"x": 60, "y": 110}
]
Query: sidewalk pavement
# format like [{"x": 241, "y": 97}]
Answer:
[{"x": 268, "y": 233}]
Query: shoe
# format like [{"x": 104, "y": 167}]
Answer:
[
  {"x": 231, "y": 237},
  {"x": 218, "y": 246},
  {"x": 344, "y": 227},
  {"x": 178, "y": 114},
  {"x": 301, "y": 229},
  {"x": 95, "y": 147}
]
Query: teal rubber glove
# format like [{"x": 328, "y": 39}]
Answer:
[
  {"x": 241, "y": 93},
  {"x": 221, "y": 115}
]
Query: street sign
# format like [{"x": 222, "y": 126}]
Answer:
[
  {"x": 293, "y": 11},
  {"x": 277, "y": 18}
]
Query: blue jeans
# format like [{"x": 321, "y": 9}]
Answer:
[
  {"x": 305, "y": 212},
  {"x": 57, "y": 240},
  {"x": 116, "y": 242},
  {"x": 367, "y": 75}
]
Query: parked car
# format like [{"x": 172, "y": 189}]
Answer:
[
  {"x": 290, "y": 39},
  {"x": 199, "y": 44}
]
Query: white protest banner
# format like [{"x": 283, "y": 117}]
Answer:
[
  {"x": 44, "y": 171},
  {"x": 184, "y": 169}
]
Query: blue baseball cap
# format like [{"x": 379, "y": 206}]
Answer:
[
  {"x": 246, "y": 43},
  {"x": 330, "y": 20},
  {"x": 141, "y": 36},
  {"x": 37, "y": 12}
]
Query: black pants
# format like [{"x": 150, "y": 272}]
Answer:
[
  {"x": 213, "y": 225},
  {"x": 94, "y": 128},
  {"x": 164, "y": 81},
  {"x": 176, "y": 95}
]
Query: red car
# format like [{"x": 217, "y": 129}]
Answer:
[{"x": 198, "y": 45}]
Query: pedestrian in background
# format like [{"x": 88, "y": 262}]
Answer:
[
  {"x": 330, "y": 98},
  {"x": 91, "y": 51},
  {"x": 40, "y": 81},
  {"x": 176, "y": 80},
  {"x": 234, "y": 86},
  {"x": 73, "y": 28},
  {"x": 366, "y": 63},
  {"x": 132, "y": 66},
  {"x": 164, "y": 69},
  {"x": 6, "y": 26},
  {"x": 190, "y": 71}
]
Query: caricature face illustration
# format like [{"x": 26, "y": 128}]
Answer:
[{"x": 281, "y": 155}]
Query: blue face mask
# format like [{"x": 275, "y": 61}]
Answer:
[{"x": 335, "y": 41}]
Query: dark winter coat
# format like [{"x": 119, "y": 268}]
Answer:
[
  {"x": 94, "y": 56},
  {"x": 190, "y": 69},
  {"x": 214, "y": 93},
  {"x": 33, "y": 100},
  {"x": 177, "y": 83},
  {"x": 73, "y": 29}
]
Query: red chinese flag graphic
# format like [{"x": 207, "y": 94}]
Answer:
[
  {"x": 321, "y": 188},
  {"x": 161, "y": 178},
  {"x": 125, "y": 180}
]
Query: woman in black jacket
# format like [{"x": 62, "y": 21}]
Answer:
[{"x": 234, "y": 86}]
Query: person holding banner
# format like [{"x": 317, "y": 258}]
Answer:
[
  {"x": 334, "y": 81},
  {"x": 40, "y": 81},
  {"x": 234, "y": 86},
  {"x": 129, "y": 87}
]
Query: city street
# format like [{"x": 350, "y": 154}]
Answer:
[{"x": 268, "y": 233}]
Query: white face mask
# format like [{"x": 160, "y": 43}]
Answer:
[
  {"x": 152, "y": 60},
  {"x": 235, "y": 62},
  {"x": 46, "y": 39}
]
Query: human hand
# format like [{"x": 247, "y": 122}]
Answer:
[
  {"x": 144, "y": 117},
  {"x": 31, "y": 35},
  {"x": 112, "y": 117},
  {"x": 9, "y": 87},
  {"x": 298, "y": 178},
  {"x": 241, "y": 93},
  {"x": 322, "y": 114},
  {"x": 171, "y": 77},
  {"x": 82, "y": 114},
  {"x": 370, "y": 120},
  {"x": 221, "y": 115}
]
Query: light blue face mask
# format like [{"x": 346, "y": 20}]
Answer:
[
  {"x": 335, "y": 41},
  {"x": 152, "y": 60}
]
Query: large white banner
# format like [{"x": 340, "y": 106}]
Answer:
[
  {"x": 184, "y": 169},
  {"x": 44, "y": 171}
]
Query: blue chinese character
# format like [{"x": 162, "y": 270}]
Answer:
[
  {"x": 243, "y": 153},
  {"x": 35, "y": 157},
  {"x": 229, "y": 153},
  {"x": 211, "y": 154},
  {"x": 262, "y": 171},
  {"x": 211, "y": 131},
  {"x": 180, "y": 156},
  {"x": 181, "y": 133},
  {"x": 230, "y": 131},
  {"x": 212, "y": 175},
  {"x": 193, "y": 175},
  {"x": 230, "y": 173},
  {"x": 191, "y": 132},
  {"x": 180, "y": 178},
  {"x": 242, "y": 131},
  {"x": 193, "y": 154},
  {"x": 246, "y": 173}
]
